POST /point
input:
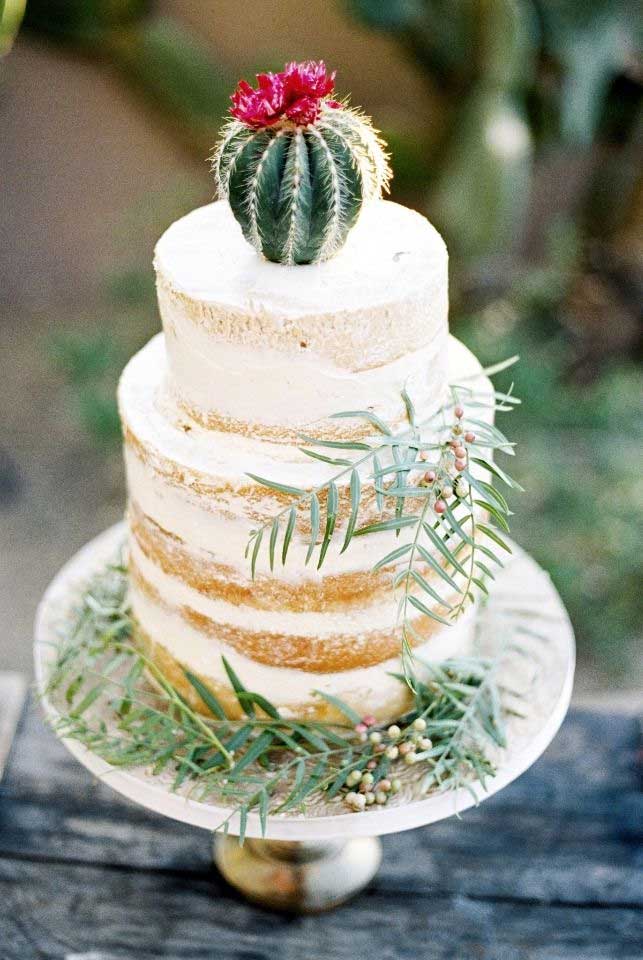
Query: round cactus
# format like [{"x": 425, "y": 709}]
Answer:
[{"x": 297, "y": 166}]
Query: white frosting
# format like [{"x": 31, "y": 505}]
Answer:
[
  {"x": 284, "y": 686},
  {"x": 282, "y": 345},
  {"x": 391, "y": 253},
  {"x": 273, "y": 388},
  {"x": 147, "y": 410}
]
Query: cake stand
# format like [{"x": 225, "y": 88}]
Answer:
[{"x": 317, "y": 861}]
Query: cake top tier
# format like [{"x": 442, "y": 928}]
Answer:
[
  {"x": 264, "y": 348},
  {"x": 392, "y": 253},
  {"x": 260, "y": 347}
]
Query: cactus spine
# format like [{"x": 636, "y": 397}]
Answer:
[{"x": 297, "y": 189}]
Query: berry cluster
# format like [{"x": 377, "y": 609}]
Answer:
[
  {"x": 394, "y": 744},
  {"x": 446, "y": 477}
]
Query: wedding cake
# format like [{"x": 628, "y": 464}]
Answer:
[{"x": 255, "y": 355}]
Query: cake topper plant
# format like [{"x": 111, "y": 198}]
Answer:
[{"x": 297, "y": 166}]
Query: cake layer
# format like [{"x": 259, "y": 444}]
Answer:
[
  {"x": 264, "y": 349},
  {"x": 176, "y": 644}
]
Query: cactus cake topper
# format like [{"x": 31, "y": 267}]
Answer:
[{"x": 297, "y": 166}]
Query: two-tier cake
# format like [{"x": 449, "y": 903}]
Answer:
[{"x": 253, "y": 354}]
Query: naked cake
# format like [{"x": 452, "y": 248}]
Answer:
[{"x": 267, "y": 335}]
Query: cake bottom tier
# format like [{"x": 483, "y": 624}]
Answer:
[{"x": 176, "y": 646}]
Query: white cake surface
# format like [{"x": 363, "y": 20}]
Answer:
[{"x": 391, "y": 253}]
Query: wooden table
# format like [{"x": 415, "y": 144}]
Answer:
[{"x": 548, "y": 869}]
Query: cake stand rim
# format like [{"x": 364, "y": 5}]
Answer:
[{"x": 158, "y": 797}]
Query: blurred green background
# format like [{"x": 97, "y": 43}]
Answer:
[{"x": 515, "y": 125}]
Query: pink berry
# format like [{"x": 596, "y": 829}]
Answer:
[
  {"x": 459, "y": 412},
  {"x": 460, "y": 464},
  {"x": 429, "y": 476},
  {"x": 440, "y": 506},
  {"x": 369, "y": 720},
  {"x": 469, "y": 437},
  {"x": 360, "y": 728},
  {"x": 423, "y": 455},
  {"x": 460, "y": 453},
  {"x": 371, "y": 764},
  {"x": 447, "y": 492}
]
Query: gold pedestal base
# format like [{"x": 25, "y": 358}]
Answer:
[{"x": 298, "y": 877}]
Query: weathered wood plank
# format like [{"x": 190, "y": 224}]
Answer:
[
  {"x": 548, "y": 869},
  {"x": 488, "y": 853},
  {"x": 55, "y": 912},
  {"x": 541, "y": 845}
]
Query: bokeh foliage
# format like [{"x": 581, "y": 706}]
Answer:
[
  {"x": 11, "y": 14},
  {"x": 580, "y": 446},
  {"x": 515, "y": 76}
]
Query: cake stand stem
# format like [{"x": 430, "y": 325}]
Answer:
[{"x": 298, "y": 877}]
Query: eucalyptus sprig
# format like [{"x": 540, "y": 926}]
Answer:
[
  {"x": 99, "y": 683},
  {"x": 424, "y": 479}
]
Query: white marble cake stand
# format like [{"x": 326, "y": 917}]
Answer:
[{"x": 314, "y": 862}]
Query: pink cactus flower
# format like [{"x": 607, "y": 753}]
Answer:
[{"x": 294, "y": 94}]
